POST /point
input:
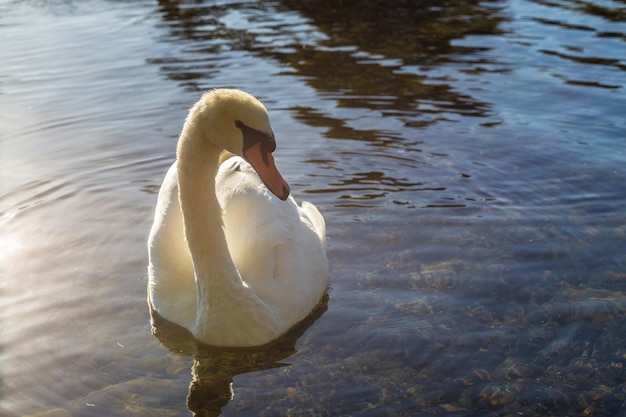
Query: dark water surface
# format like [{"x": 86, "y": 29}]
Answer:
[{"x": 469, "y": 158}]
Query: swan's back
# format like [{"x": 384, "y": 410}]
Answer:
[
  {"x": 311, "y": 214},
  {"x": 277, "y": 246}
]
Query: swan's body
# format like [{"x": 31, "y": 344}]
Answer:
[{"x": 229, "y": 261}]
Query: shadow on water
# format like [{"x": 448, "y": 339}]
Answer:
[{"x": 214, "y": 368}]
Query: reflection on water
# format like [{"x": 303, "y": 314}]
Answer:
[
  {"x": 379, "y": 90},
  {"x": 340, "y": 52},
  {"x": 467, "y": 156},
  {"x": 214, "y": 368},
  {"x": 382, "y": 58}
]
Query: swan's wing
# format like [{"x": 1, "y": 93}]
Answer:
[
  {"x": 171, "y": 285},
  {"x": 311, "y": 215},
  {"x": 277, "y": 246}
]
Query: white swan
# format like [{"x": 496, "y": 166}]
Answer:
[{"x": 228, "y": 260}]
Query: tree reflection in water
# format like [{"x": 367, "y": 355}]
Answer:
[{"x": 372, "y": 55}]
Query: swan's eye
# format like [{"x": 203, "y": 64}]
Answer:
[{"x": 253, "y": 136}]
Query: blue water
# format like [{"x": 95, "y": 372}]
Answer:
[{"x": 468, "y": 158}]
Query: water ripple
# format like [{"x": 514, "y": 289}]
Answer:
[{"x": 466, "y": 155}]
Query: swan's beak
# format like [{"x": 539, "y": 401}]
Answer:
[{"x": 263, "y": 163}]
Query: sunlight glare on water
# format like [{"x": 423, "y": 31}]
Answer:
[{"x": 468, "y": 158}]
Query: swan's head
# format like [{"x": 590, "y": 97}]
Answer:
[{"x": 239, "y": 123}]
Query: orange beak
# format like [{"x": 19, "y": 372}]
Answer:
[{"x": 263, "y": 163}]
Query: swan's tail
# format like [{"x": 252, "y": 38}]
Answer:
[{"x": 316, "y": 219}]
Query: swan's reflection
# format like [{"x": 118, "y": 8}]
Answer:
[{"x": 214, "y": 368}]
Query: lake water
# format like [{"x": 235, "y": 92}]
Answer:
[{"x": 469, "y": 158}]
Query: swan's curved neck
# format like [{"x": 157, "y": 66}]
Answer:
[{"x": 198, "y": 161}]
